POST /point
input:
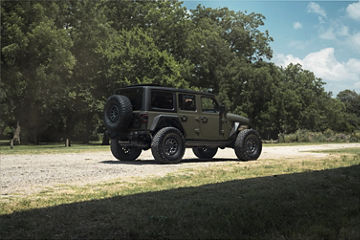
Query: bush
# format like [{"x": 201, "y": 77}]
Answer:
[{"x": 302, "y": 135}]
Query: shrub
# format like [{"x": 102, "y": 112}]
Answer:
[{"x": 303, "y": 135}]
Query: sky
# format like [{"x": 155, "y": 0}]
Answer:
[{"x": 323, "y": 36}]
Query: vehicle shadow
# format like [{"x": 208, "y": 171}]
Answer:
[
  {"x": 153, "y": 162},
  {"x": 309, "y": 205}
]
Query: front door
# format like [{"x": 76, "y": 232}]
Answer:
[{"x": 209, "y": 119}]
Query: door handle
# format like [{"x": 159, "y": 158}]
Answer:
[
  {"x": 204, "y": 119},
  {"x": 183, "y": 118}
]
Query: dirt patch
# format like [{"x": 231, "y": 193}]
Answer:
[{"x": 30, "y": 173}]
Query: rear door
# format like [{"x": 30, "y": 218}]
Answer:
[{"x": 188, "y": 115}]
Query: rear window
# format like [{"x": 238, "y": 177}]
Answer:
[
  {"x": 161, "y": 100},
  {"x": 187, "y": 102},
  {"x": 135, "y": 95}
]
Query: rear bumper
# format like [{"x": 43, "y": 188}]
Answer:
[{"x": 141, "y": 139}]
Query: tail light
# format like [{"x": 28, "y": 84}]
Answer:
[{"x": 144, "y": 118}]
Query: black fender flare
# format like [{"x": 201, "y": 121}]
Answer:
[{"x": 164, "y": 120}]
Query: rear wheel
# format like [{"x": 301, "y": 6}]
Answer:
[
  {"x": 168, "y": 145},
  {"x": 248, "y": 145},
  {"x": 204, "y": 152},
  {"x": 123, "y": 153}
]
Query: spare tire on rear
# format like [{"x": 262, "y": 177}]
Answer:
[{"x": 117, "y": 112}]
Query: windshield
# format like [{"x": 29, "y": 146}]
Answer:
[{"x": 134, "y": 94}]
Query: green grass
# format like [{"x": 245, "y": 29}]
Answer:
[
  {"x": 52, "y": 148},
  {"x": 295, "y": 144},
  {"x": 266, "y": 199},
  {"x": 343, "y": 150}
]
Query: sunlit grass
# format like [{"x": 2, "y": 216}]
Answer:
[
  {"x": 52, "y": 196},
  {"x": 52, "y": 148},
  {"x": 343, "y": 150},
  {"x": 267, "y": 199},
  {"x": 264, "y": 199},
  {"x": 295, "y": 144}
]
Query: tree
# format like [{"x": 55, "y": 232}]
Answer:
[
  {"x": 60, "y": 60},
  {"x": 351, "y": 101},
  {"x": 36, "y": 58},
  {"x": 131, "y": 57}
]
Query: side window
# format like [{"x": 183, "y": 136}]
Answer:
[
  {"x": 209, "y": 105},
  {"x": 162, "y": 100},
  {"x": 187, "y": 102}
]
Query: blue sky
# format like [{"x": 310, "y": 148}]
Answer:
[{"x": 323, "y": 36}]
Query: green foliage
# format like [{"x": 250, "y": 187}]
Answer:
[
  {"x": 36, "y": 58},
  {"x": 351, "y": 101},
  {"x": 328, "y": 135},
  {"x": 60, "y": 60},
  {"x": 131, "y": 57}
]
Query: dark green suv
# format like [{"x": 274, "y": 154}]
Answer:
[{"x": 168, "y": 120}]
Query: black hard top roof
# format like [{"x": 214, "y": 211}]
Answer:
[{"x": 159, "y": 87}]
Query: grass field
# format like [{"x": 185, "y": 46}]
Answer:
[
  {"x": 275, "y": 199},
  {"x": 52, "y": 148},
  {"x": 344, "y": 150}
]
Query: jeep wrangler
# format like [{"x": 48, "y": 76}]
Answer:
[{"x": 168, "y": 120}]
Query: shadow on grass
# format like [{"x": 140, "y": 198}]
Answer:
[
  {"x": 311, "y": 205},
  {"x": 153, "y": 162}
]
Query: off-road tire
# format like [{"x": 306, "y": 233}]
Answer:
[
  {"x": 123, "y": 153},
  {"x": 248, "y": 145},
  {"x": 117, "y": 113},
  {"x": 204, "y": 152},
  {"x": 168, "y": 145}
]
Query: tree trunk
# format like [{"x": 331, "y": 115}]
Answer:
[
  {"x": 16, "y": 136},
  {"x": 106, "y": 139},
  {"x": 67, "y": 142}
]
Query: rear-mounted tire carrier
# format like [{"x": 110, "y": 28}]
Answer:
[{"x": 117, "y": 113}]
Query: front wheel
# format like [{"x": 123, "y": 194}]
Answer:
[
  {"x": 123, "y": 153},
  {"x": 248, "y": 145},
  {"x": 168, "y": 145},
  {"x": 204, "y": 152}
]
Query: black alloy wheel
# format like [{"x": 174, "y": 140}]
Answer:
[
  {"x": 168, "y": 145},
  {"x": 124, "y": 153},
  {"x": 118, "y": 113},
  {"x": 248, "y": 145},
  {"x": 114, "y": 113}
]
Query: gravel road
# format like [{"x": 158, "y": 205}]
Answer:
[{"x": 31, "y": 173}]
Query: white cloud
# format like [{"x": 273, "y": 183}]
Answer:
[
  {"x": 284, "y": 60},
  {"x": 343, "y": 31},
  {"x": 297, "y": 25},
  {"x": 328, "y": 34},
  {"x": 353, "y": 10},
  {"x": 354, "y": 40},
  {"x": 315, "y": 8},
  {"x": 325, "y": 65},
  {"x": 336, "y": 31}
]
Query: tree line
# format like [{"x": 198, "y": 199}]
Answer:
[{"x": 60, "y": 60}]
